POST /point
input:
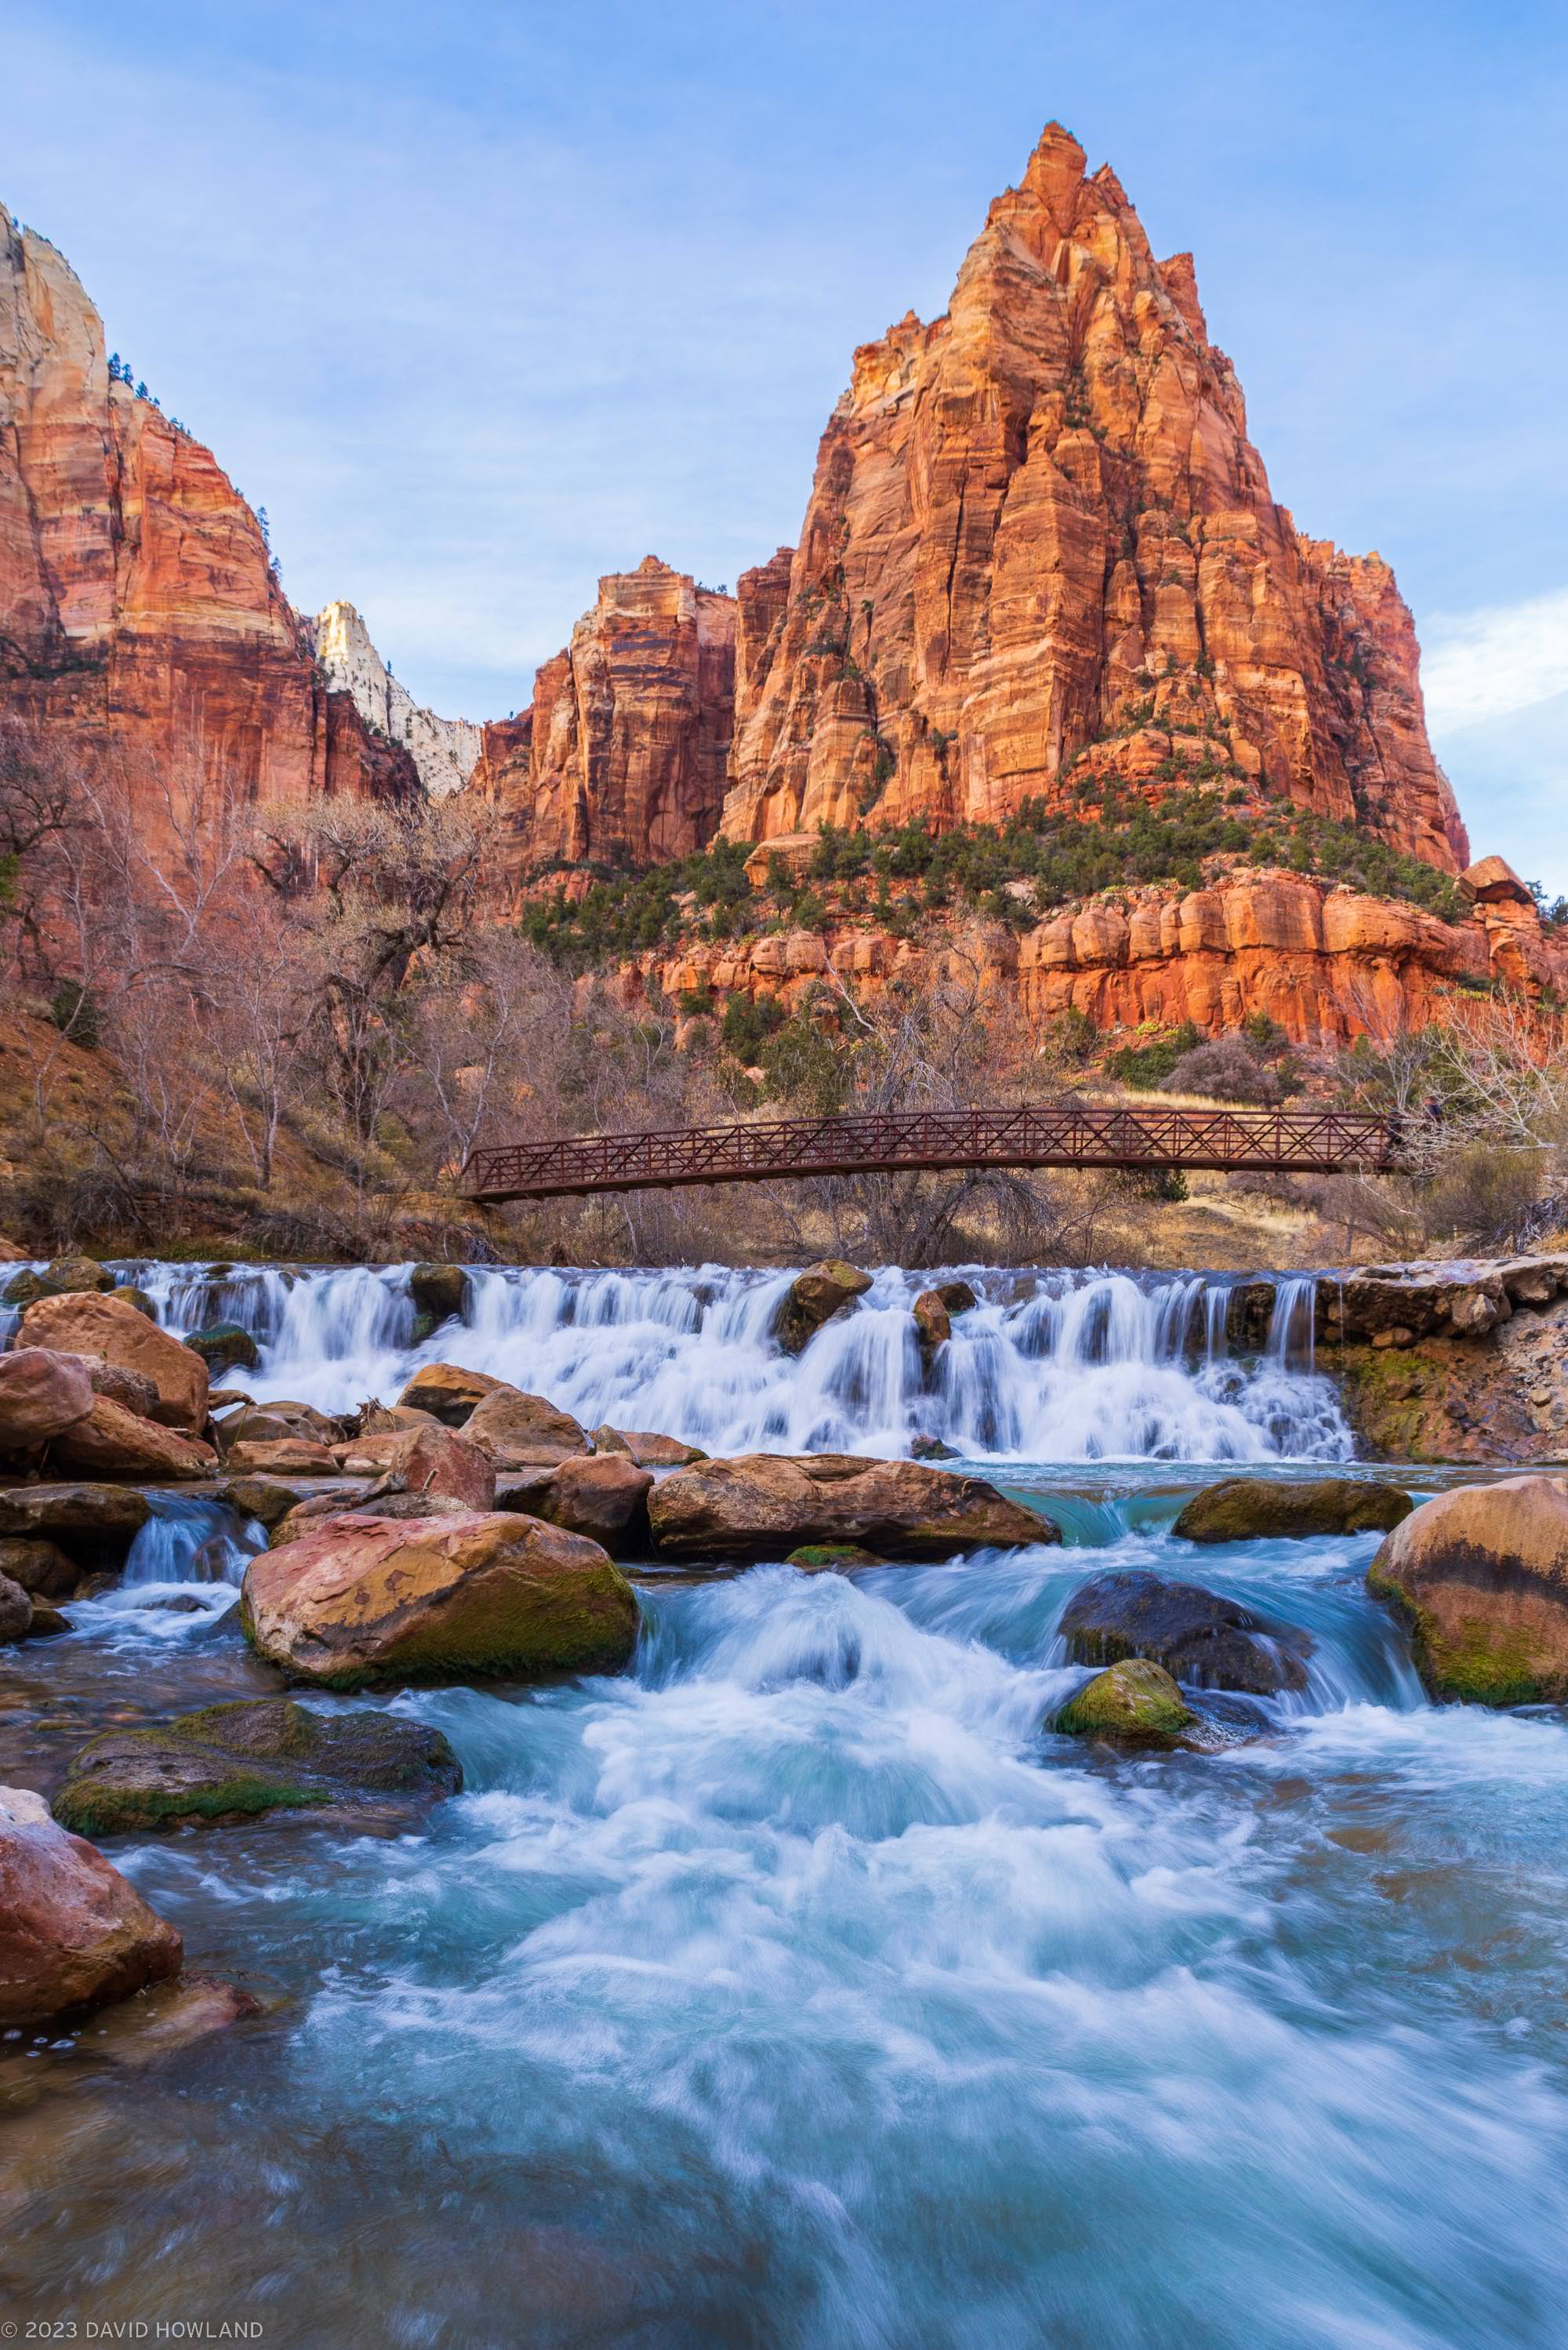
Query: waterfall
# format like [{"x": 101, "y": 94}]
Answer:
[{"x": 1063, "y": 1365}]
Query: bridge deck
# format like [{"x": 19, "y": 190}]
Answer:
[{"x": 1281, "y": 1142}]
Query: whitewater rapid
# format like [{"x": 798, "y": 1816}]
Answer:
[{"x": 1086, "y": 1365}]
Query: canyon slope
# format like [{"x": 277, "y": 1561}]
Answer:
[
  {"x": 1041, "y": 555},
  {"x": 445, "y": 750},
  {"x": 140, "y": 614}
]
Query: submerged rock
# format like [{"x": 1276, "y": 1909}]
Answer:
[
  {"x": 1195, "y": 1634},
  {"x": 1480, "y": 1576},
  {"x": 448, "y": 1392},
  {"x": 42, "y": 1393},
  {"x": 83, "y": 1324},
  {"x": 814, "y": 1297},
  {"x": 764, "y": 1504},
  {"x": 523, "y": 1431},
  {"x": 1135, "y": 1699},
  {"x": 262, "y": 1754},
  {"x": 362, "y": 1598},
  {"x": 1263, "y": 1509},
  {"x": 73, "y": 1932}
]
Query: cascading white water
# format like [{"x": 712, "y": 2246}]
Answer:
[{"x": 1077, "y": 1366}]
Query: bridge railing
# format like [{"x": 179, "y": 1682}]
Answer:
[{"x": 1282, "y": 1141}]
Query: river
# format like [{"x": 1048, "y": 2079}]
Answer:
[{"x": 799, "y": 1988}]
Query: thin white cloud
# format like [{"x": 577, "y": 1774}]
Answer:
[{"x": 1484, "y": 665}]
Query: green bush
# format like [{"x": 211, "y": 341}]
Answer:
[{"x": 75, "y": 1015}]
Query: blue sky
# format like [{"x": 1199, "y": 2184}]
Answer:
[{"x": 481, "y": 302}]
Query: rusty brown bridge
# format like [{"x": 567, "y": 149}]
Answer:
[{"x": 883, "y": 1143}]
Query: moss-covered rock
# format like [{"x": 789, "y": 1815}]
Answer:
[
  {"x": 129, "y": 1295},
  {"x": 1480, "y": 1577},
  {"x": 233, "y": 1762},
  {"x": 223, "y": 1345},
  {"x": 440, "y": 1291},
  {"x": 832, "y": 1558},
  {"x": 1266, "y": 1509},
  {"x": 1136, "y": 1700},
  {"x": 360, "y": 1599}
]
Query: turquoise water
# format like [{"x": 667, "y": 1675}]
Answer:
[{"x": 800, "y": 1990}]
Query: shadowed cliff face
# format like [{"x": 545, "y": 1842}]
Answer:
[
  {"x": 621, "y": 756},
  {"x": 1040, "y": 539},
  {"x": 138, "y": 608}
]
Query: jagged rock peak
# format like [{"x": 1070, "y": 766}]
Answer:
[
  {"x": 445, "y": 750},
  {"x": 1038, "y": 537}
]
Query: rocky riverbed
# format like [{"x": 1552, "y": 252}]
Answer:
[{"x": 734, "y": 1852}]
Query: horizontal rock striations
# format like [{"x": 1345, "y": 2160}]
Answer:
[{"x": 1041, "y": 552}]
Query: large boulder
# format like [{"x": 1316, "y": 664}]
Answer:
[
  {"x": 645, "y": 1447},
  {"x": 42, "y": 1393},
  {"x": 1136, "y": 1700},
  {"x": 41, "y": 1570},
  {"x": 430, "y": 1460},
  {"x": 1195, "y": 1634},
  {"x": 814, "y": 1297},
  {"x": 279, "y": 1456},
  {"x": 765, "y": 1504},
  {"x": 1262, "y": 1509},
  {"x": 84, "y": 1323},
  {"x": 603, "y": 1496},
  {"x": 448, "y": 1392},
  {"x": 934, "y": 1310},
  {"x": 440, "y": 1291},
  {"x": 274, "y": 1423},
  {"x": 223, "y": 1345},
  {"x": 132, "y": 1389},
  {"x": 73, "y": 1932},
  {"x": 93, "y": 1523},
  {"x": 363, "y": 1599},
  {"x": 114, "y": 1443},
  {"x": 523, "y": 1431},
  {"x": 16, "y": 1612},
  {"x": 262, "y": 1754},
  {"x": 1480, "y": 1576}
]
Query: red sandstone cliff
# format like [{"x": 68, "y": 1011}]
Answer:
[
  {"x": 139, "y": 609},
  {"x": 1038, "y": 526},
  {"x": 620, "y": 757}
]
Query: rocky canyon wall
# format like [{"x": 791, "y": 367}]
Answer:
[
  {"x": 621, "y": 757},
  {"x": 140, "y": 612},
  {"x": 1038, "y": 529}
]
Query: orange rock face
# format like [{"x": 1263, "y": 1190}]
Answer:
[
  {"x": 621, "y": 756},
  {"x": 1324, "y": 963},
  {"x": 1038, "y": 526},
  {"x": 139, "y": 607}
]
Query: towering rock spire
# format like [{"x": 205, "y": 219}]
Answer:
[{"x": 1040, "y": 551}]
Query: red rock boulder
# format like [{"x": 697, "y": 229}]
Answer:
[{"x": 73, "y": 1932}]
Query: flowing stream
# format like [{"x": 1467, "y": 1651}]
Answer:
[{"x": 801, "y": 1989}]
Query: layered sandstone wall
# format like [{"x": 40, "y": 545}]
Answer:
[
  {"x": 139, "y": 611},
  {"x": 1326, "y": 963},
  {"x": 1038, "y": 524},
  {"x": 621, "y": 756}
]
